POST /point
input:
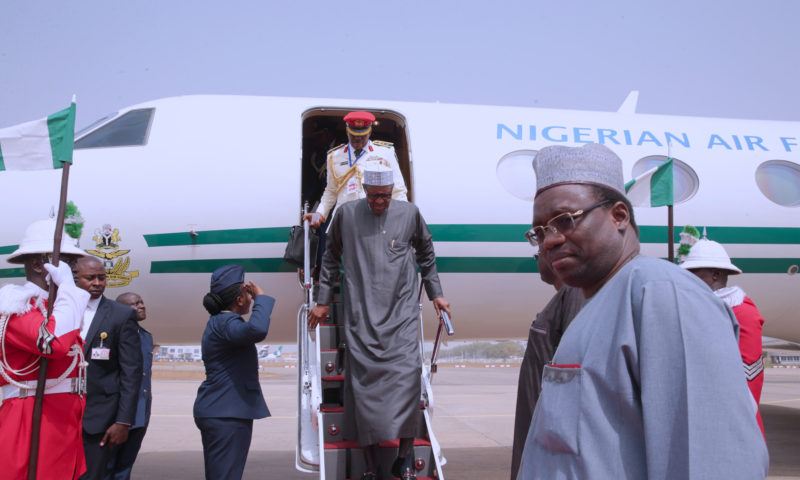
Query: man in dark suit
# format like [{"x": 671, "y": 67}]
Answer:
[
  {"x": 122, "y": 458},
  {"x": 114, "y": 375}
]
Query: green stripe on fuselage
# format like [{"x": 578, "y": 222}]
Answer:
[
  {"x": 275, "y": 265},
  {"x": 444, "y": 265},
  {"x": 219, "y": 237},
  {"x": 8, "y": 249},
  {"x": 478, "y": 233},
  {"x": 269, "y": 265},
  {"x": 12, "y": 272}
]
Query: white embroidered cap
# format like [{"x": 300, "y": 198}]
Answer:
[
  {"x": 378, "y": 175},
  {"x": 592, "y": 164}
]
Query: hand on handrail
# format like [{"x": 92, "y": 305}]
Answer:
[
  {"x": 314, "y": 219},
  {"x": 317, "y": 315}
]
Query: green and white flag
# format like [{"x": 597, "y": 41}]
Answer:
[
  {"x": 39, "y": 145},
  {"x": 653, "y": 188}
]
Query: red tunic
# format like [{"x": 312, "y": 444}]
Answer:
[
  {"x": 60, "y": 445},
  {"x": 750, "y": 327}
]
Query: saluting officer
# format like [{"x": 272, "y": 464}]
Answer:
[
  {"x": 347, "y": 163},
  {"x": 230, "y": 397}
]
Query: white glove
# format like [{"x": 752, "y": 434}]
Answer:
[
  {"x": 62, "y": 274},
  {"x": 70, "y": 302}
]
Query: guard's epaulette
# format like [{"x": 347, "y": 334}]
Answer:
[
  {"x": 381, "y": 143},
  {"x": 337, "y": 147}
]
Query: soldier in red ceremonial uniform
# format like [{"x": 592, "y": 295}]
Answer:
[
  {"x": 25, "y": 337},
  {"x": 710, "y": 262}
]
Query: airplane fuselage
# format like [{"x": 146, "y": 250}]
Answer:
[{"x": 218, "y": 179}]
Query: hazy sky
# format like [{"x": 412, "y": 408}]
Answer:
[{"x": 724, "y": 59}]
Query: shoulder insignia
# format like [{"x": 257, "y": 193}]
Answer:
[
  {"x": 337, "y": 147},
  {"x": 381, "y": 143}
]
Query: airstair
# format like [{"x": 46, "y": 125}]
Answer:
[{"x": 321, "y": 417}]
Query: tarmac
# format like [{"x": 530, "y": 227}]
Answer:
[{"x": 473, "y": 420}]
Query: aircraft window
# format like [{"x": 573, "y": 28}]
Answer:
[
  {"x": 92, "y": 125},
  {"x": 127, "y": 130},
  {"x": 779, "y": 181},
  {"x": 516, "y": 175},
  {"x": 684, "y": 178}
]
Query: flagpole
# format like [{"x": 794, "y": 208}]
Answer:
[
  {"x": 39, "y": 400},
  {"x": 671, "y": 233}
]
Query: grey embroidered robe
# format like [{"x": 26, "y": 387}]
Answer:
[
  {"x": 647, "y": 384},
  {"x": 379, "y": 255}
]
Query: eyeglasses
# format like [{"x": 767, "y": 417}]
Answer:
[
  {"x": 563, "y": 224},
  {"x": 378, "y": 196}
]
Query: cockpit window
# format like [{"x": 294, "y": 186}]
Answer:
[{"x": 130, "y": 129}]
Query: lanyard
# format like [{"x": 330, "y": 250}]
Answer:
[{"x": 350, "y": 157}]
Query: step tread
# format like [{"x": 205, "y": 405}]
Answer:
[
  {"x": 418, "y": 442},
  {"x": 332, "y": 408},
  {"x": 343, "y": 444}
]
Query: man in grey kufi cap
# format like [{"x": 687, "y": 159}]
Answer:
[
  {"x": 592, "y": 164},
  {"x": 649, "y": 369}
]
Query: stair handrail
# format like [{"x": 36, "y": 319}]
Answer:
[{"x": 306, "y": 378}]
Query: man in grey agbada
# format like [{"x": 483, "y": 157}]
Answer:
[
  {"x": 380, "y": 243},
  {"x": 543, "y": 337},
  {"x": 647, "y": 381}
]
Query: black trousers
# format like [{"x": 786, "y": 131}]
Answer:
[
  {"x": 226, "y": 442},
  {"x": 121, "y": 462},
  {"x": 96, "y": 456}
]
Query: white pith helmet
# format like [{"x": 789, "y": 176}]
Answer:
[
  {"x": 709, "y": 254},
  {"x": 39, "y": 239}
]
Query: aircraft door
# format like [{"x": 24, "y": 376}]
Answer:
[{"x": 324, "y": 129}]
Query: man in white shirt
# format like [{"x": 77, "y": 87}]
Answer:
[{"x": 114, "y": 352}]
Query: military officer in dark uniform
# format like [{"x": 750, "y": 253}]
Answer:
[{"x": 230, "y": 397}]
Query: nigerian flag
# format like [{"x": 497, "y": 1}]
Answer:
[
  {"x": 40, "y": 144},
  {"x": 653, "y": 188}
]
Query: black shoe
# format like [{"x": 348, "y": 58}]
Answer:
[
  {"x": 403, "y": 468},
  {"x": 397, "y": 466},
  {"x": 368, "y": 476},
  {"x": 409, "y": 475}
]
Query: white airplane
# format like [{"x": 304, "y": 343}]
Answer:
[
  {"x": 172, "y": 188},
  {"x": 265, "y": 354}
]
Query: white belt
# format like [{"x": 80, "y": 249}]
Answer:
[{"x": 68, "y": 385}]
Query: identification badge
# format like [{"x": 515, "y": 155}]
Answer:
[
  {"x": 101, "y": 354},
  {"x": 352, "y": 186}
]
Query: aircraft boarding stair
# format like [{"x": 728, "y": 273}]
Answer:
[{"x": 321, "y": 417}]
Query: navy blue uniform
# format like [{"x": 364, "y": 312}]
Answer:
[{"x": 230, "y": 397}]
